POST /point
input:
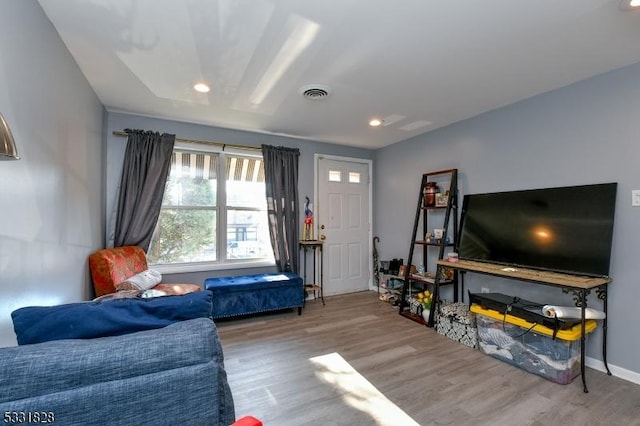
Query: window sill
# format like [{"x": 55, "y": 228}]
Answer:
[{"x": 213, "y": 266}]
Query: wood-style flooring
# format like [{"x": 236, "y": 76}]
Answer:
[{"x": 356, "y": 361}]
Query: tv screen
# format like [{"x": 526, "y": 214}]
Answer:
[{"x": 566, "y": 229}]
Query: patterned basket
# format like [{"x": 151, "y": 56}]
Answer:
[
  {"x": 415, "y": 307},
  {"x": 457, "y": 323}
]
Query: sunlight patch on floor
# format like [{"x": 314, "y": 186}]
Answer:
[{"x": 357, "y": 392}]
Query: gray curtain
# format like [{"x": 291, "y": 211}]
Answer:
[
  {"x": 147, "y": 161},
  {"x": 281, "y": 183}
]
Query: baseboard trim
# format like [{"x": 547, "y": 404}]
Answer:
[{"x": 622, "y": 373}]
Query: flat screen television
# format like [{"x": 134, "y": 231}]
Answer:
[{"x": 564, "y": 229}]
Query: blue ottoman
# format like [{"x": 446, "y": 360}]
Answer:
[{"x": 249, "y": 294}]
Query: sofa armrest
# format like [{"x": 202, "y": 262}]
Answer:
[{"x": 108, "y": 380}]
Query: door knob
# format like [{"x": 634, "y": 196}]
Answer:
[{"x": 322, "y": 237}]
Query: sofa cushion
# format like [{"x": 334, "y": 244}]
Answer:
[
  {"x": 87, "y": 320},
  {"x": 174, "y": 289},
  {"x": 131, "y": 294}
]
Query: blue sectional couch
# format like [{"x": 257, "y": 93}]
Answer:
[
  {"x": 121, "y": 362},
  {"x": 168, "y": 376}
]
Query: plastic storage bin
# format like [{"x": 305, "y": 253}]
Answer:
[{"x": 531, "y": 347}]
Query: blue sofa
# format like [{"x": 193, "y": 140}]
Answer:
[{"x": 172, "y": 375}]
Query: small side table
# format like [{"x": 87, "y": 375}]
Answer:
[{"x": 315, "y": 246}]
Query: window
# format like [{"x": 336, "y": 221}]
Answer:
[
  {"x": 247, "y": 227},
  {"x": 197, "y": 203}
]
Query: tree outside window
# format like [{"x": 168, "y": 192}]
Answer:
[{"x": 196, "y": 205}]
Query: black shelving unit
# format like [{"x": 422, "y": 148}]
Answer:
[{"x": 444, "y": 215}]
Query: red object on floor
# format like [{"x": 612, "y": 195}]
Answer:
[{"x": 247, "y": 421}]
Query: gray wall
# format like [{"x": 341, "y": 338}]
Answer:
[
  {"x": 115, "y": 154},
  {"x": 582, "y": 134},
  {"x": 51, "y": 215},
  {"x": 54, "y": 200}
]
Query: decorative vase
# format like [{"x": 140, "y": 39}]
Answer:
[
  {"x": 426, "y": 314},
  {"x": 430, "y": 191}
]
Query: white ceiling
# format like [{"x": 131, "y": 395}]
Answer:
[{"x": 423, "y": 63}]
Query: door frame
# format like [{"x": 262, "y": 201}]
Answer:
[{"x": 316, "y": 159}]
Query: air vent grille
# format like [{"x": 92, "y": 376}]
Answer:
[{"x": 315, "y": 92}]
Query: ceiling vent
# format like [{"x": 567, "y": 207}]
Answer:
[{"x": 315, "y": 92}]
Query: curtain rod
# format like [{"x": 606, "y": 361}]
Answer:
[{"x": 195, "y": 141}]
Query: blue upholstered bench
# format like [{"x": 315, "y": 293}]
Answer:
[{"x": 249, "y": 294}]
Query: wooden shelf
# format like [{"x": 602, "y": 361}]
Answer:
[
  {"x": 413, "y": 317},
  {"x": 427, "y": 243},
  {"x": 530, "y": 275},
  {"x": 310, "y": 242},
  {"x": 430, "y": 278}
]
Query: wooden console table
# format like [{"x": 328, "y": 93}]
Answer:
[{"x": 579, "y": 286}]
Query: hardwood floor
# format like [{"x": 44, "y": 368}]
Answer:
[{"x": 356, "y": 361}]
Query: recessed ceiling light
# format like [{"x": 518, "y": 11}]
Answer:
[
  {"x": 201, "y": 87},
  {"x": 630, "y": 5},
  {"x": 375, "y": 122}
]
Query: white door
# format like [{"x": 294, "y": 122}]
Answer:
[{"x": 344, "y": 224}]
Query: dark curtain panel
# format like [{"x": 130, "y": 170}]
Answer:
[
  {"x": 281, "y": 183},
  {"x": 146, "y": 165}
]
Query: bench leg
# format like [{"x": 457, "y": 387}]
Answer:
[{"x": 299, "y": 310}]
